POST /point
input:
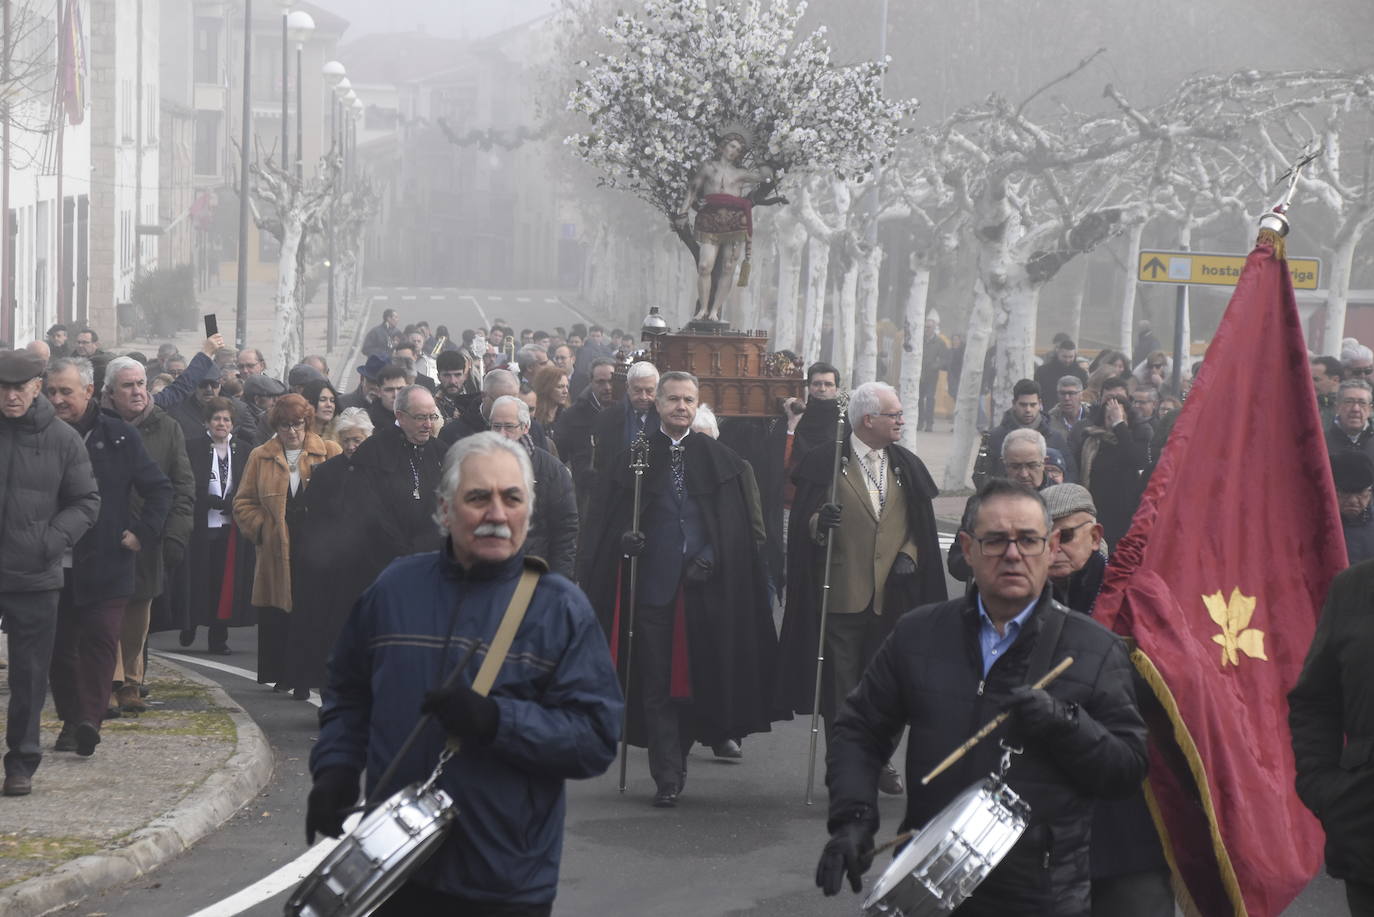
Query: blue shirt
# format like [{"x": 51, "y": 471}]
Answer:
[{"x": 993, "y": 645}]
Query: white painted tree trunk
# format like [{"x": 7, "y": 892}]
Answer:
[
  {"x": 866, "y": 327},
  {"x": 1017, "y": 311},
  {"x": 289, "y": 347},
  {"x": 1185, "y": 318},
  {"x": 913, "y": 352},
  {"x": 846, "y": 307},
  {"x": 1126, "y": 329},
  {"x": 1338, "y": 279},
  {"x": 970, "y": 391},
  {"x": 791, "y": 237},
  {"x": 1077, "y": 285},
  {"x": 817, "y": 283}
]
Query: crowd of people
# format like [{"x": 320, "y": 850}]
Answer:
[{"x": 376, "y": 536}]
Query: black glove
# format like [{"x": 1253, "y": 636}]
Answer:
[
  {"x": 828, "y": 517},
  {"x": 215, "y": 502},
  {"x": 172, "y": 554},
  {"x": 699, "y": 570},
  {"x": 463, "y": 711},
  {"x": 632, "y": 544},
  {"x": 903, "y": 566},
  {"x": 848, "y": 852},
  {"x": 332, "y": 795},
  {"x": 1039, "y": 714}
]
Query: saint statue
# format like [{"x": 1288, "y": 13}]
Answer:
[{"x": 724, "y": 225}]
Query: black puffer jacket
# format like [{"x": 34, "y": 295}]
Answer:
[
  {"x": 48, "y": 497},
  {"x": 553, "y": 529},
  {"x": 1331, "y": 717},
  {"x": 928, "y": 675}
]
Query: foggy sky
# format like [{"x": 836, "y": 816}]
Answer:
[{"x": 441, "y": 18}]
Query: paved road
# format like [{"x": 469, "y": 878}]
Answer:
[
  {"x": 463, "y": 308},
  {"x": 741, "y": 842}
]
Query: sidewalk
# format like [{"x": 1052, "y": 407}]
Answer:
[
  {"x": 156, "y": 784},
  {"x": 222, "y": 301}
]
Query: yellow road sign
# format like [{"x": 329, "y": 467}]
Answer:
[{"x": 1211, "y": 269}]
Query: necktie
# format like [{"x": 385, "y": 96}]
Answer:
[
  {"x": 875, "y": 469},
  {"x": 675, "y": 454}
]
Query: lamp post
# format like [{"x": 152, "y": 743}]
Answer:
[
  {"x": 285, "y": 7},
  {"x": 346, "y": 128},
  {"x": 337, "y": 121},
  {"x": 299, "y": 26},
  {"x": 245, "y": 144},
  {"x": 333, "y": 75}
]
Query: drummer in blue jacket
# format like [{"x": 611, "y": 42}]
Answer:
[
  {"x": 945, "y": 670},
  {"x": 553, "y": 713}
]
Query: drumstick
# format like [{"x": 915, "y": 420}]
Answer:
[{"x": 992, "y": 724}]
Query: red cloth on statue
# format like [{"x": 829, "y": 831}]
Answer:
[{"x": 730, "y": 202}]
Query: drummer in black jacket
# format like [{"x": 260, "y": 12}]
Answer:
[{"x": 948, "y": 668}]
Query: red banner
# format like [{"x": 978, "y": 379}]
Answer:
[{"x": 1220, "y": 581}]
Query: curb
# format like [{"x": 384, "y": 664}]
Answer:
[{"x": 204, "y": 809}]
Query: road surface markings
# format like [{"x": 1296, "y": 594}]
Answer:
[
  {"x": 522, "y": 299},
  {"x": 495, "y": 299},
  {"x": 437, "y": 297},
  {"x": 409, "y": 297},
  {"x": 480, "y": 311},
  {"x": 220, "y": 667},
  {"x": 546, "y": 299},
  {"x": 381, "y": 297}
]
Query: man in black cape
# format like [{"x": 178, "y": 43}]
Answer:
[
  {"x": 704, "y": 641},
  {"x": 864, "y": 607}
]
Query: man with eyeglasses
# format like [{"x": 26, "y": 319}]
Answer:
[
  {"x": 1024, "y": 454},
  {"x": 950, "y": 667},
  {"x": 1351, "y": 430},
  {"x": 1026, "y": 412},
  {"x": 1113, "y": 455},
  {"x": 885, "y": 560},
  {"x": 251, "y": 362},
  {"x": 1353, "y": 475},
  {"x": 553, "y": 525},
  {"x": 1358, "y": 361},
  {"x": 1068, "y": 413}
]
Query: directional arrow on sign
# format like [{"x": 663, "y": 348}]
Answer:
[{"x": 1154, "y": 266}]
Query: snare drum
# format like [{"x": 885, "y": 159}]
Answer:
[
  {"x": 952, "y": 854},
  {"x": 376, "y": 857}
]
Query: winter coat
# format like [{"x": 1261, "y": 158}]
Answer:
[
  {"x": 1331, "y": 718},
  {"x": 1048, "y": 374},
  {"x": 102, "y": 568},
  {"x": 553, "y": 528},
  {"x": 1112, "y": 466},
  {"x": 203, "y": 608},
  {"x": 48, "y": 497},
  {"x": 166, "y": 445},
  {"x": 928, "y": 676},
  {"x": 574, "y": 434},
  {"x": 260, "y": 512},
  {"x": 1337, "y": 440},
  {"x": 559, "y": 714}
]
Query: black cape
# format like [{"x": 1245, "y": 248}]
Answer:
[
  {"x": 204, "y": 606},
  {"x": 796, "y": 683},
  {"x": 730, "y": 635}
]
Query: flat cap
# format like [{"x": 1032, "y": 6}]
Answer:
[
  {"x": 262, "y": 384},
  {"x": 304, "y": 374},
  {"x": 19, "y": 366},
  {"x": 374, "y": 365},
  {"x": 1066, "y": 499},
  {"x": 1352, "y": 471}
]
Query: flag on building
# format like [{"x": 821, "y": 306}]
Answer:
[{"x": 1220, "y": 583}]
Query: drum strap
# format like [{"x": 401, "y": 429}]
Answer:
[
  {"x": 1042, "y": 655},
  {"x": 501, "y": 642}
]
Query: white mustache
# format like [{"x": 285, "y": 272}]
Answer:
[{"x": 492, "y": 529}]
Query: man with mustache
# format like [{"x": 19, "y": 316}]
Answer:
[
  {"x": 552, "y": 714},
  {"x": 705, "y": 643}
]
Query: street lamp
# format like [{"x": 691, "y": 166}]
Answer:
[
  {"x": 357, "y": 118},
  {"x": 343, "y": 87},
  {"x": 299, "y": 25},
  {"x": 334, "y": 75},
  {"x": 285, "y": 7}
]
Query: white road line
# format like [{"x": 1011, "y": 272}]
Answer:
[
  {"x": 380, "y": 297},
  {"x": 403, "y": 288},
  {"x": 219, "y": 667},
  {"x": 522, "y": 299},
  {"x": 495, "y": 299},
  {"x": 439, "y": 297},
  {"x": 476, "y": 304},
  {"x": 546, "y": 299},
  {"x": 409, "y": 296}
]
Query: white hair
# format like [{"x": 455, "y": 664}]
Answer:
[
  {"x": 353, "y": 419},
  {"x": 119, "y": 365},
  {"x": 498, "y": 375},
  {"x": 522, "y": 409},
  {"x": 1357, "y": 354},
  {"x": 485, "y": 443},
  {"x": 867, "y": 399},
  {"x": 642, "y": 368},
  {"x": 1025, "y": 435},
  {"x": 705, "y": 422},
  {"x": 84, "y": 371}
]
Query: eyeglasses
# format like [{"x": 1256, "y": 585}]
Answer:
[
  {"x": 1157, "y": 365},
  {"x": 996, "y": 544},
  {"x": 506, "y": 427},
  {"x": 248, "y": 365},
  {"x": 894, "y": 415},
  {"x": 1068, "y": 534},
  {"x": 1361, "y": 370},
  {"x": 1014, "y": 467},
  {"x": 1355, "y": 402},
  {"x": 421, "y": 418},
  {"x": 298, "y": 425}
]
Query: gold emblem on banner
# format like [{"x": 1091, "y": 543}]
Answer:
[{"x": 1236, "y": 635}]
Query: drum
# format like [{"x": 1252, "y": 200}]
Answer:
[
  {"x": 952, "y": 854},
  {"x": 376, "y": 857}
]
